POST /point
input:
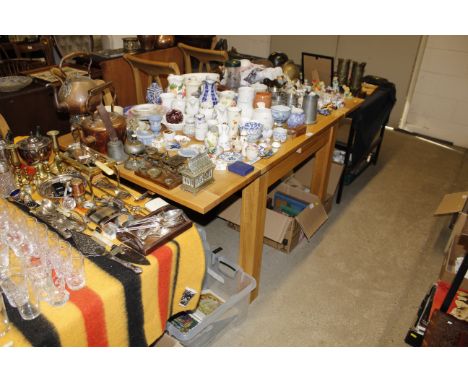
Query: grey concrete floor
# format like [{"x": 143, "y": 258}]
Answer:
[{"x": 361, "y": 278}]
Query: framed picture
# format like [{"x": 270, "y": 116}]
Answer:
[{"x": 316, "y": 67}]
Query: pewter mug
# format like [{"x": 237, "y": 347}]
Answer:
[{"x": 310, "y": 104}]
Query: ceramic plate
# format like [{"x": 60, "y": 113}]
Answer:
[
  {"x": 14, "y": 83},
  {"x": 188, "y": 152},
  {"x": 230, "y": 157},
  {"x": 199, "y": 147}
]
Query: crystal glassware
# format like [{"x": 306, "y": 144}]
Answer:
[
  {"x": 24, "y": 296},
  {"x": 4, "y": 322}
]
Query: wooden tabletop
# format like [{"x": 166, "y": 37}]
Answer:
[
  {"x": 227, "y": 183},
  {"x": 292, "y": 145}
]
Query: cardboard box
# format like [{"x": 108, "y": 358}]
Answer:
[
  {"x": 458, "y": 247},
  {"x": 302, "y": 178},
  {"x": 283, "y": 232},
  {"x": 166, "y": 341},
  {"x": 456, "y": 205}
]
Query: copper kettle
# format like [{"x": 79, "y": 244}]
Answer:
[{"x": 72, "y": 97}]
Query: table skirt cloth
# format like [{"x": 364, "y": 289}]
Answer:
[{"x": 118, "y": 307}]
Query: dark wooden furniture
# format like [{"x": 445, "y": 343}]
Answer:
[
  {"x": 119, "y": 72},
  {"x": 13, "y": 66},
  {"x": 42, "y": 48},
  {"x": 30, "y": 107}
]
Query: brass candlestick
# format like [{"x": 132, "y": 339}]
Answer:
[
  {"x": 15, "y": 162},
  {"x": 55, "y": 147}
]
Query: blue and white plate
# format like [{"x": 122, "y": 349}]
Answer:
[
  {"x": 188, "y": 152},
  {"x": 230, "y": 156}
]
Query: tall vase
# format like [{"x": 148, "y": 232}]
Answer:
[{"x": 209, "y": 93}]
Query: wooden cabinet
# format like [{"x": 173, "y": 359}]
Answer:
[
  {"x": 119, "y": 72},
  {"x": 30, "y": 107}
]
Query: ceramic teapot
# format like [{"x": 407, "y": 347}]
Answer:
[{"x": 72, "y": 97}]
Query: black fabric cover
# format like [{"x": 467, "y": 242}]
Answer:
[{"x": 369, "y": 118}]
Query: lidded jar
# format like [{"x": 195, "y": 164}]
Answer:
[{"x": 232, "y": 74}]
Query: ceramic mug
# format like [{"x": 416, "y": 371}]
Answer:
[{"x": 167, "y": 99}]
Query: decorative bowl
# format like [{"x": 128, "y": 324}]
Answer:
[
  {"x": 182, "y": 140},
  {"x": 280, "y": 113},
  {"x": 143, "y": 111},
  {"x": 253, "y": 130},
  {"x": 14, "y": 83}
]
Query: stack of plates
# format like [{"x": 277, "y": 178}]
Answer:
[{"x": 14, "y": 83}]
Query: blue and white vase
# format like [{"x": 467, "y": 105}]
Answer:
[
  {"x": 153, "y": 93},
  {"x": 208, "y": 93}
]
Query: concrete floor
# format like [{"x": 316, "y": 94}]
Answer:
[{"x": 361, "y": 278}]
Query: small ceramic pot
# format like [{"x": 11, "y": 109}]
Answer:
[
  {"x": 296, "y": 118},
  {"x": 189, "y": 127},
  {"x": 275, "y": 146},
  {"x": 264, "y": 97},
  {"x": 251, "y": 152},
  {"x": 280, "y": 134},
  {"x": 201, "y": 129}
]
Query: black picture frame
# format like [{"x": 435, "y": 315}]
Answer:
[{"x": 319, "y": 57}]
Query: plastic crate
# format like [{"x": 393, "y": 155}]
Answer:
[{"x": 229, "y": 282}]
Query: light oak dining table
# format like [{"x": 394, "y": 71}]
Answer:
[{"x": 319, "y": 140}]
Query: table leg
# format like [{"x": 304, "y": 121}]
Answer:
[
  {"x": 252, "y": 227},
  {"x": 321, "y": 170}
]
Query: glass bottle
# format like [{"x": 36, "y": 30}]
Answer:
[{"x": 232, "y": 74}]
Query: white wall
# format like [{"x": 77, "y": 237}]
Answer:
[
  {"x": 438, "y": 107},
  {"x": 255, "y": 45},
  {"x": 391, "y": 57}
]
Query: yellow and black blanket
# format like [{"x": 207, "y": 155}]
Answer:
[{"x": 118, "y": 307}]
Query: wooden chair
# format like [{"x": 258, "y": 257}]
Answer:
[
  {"x": 44, "y": 46},
  {"x": 204, "y": 57},
  {"x": 13, "y": 66},
  {"x": 152, "y": 69},
  {"x": 4, "y": 128}
]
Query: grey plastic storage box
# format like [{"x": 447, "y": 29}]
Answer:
[{"x": 229, "y": 282}]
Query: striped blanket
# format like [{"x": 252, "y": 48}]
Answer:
[{"x": 118, "y": 307}]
